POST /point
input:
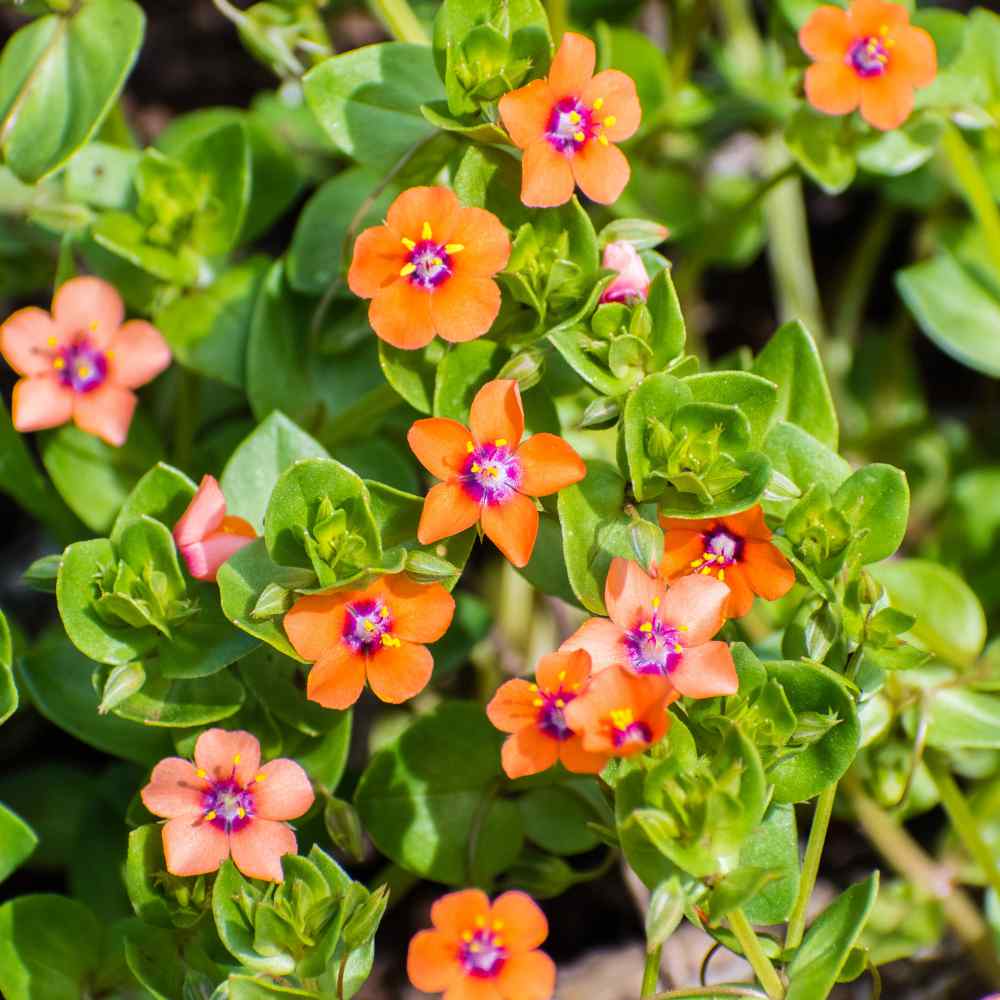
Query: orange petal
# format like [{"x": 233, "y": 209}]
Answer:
[
  {"x": 573, "y": 66},
  {"x": 512, "y": 526},
  {"x": 223, "y": 754},
  {"x": 486, "y": 243},
  {"x": 205, "y": 513},
  {"x": 89, "y": 306},
  {"x": 867, "y": 17},
  {"x": 513, "y": 707},
  {"x": 138, "y": 354},
  {"x": 379, "y": 255},
  {"x": 400, "y": 314},
  {"x": 28, "y": 340},
  {"x": 747, "y": 524},
  {"x": 697, "y": 603},
  {"x": 630, "y": 592},
  {"x": 579, "y": 760},
  {"x": 437, "y": 206},
  {"x": 458, "y": 911},
  {"x": 601, "y": 171},
  {"x": 105, "y": 412},
  {"x": 473, "y": 988},
  {"x": 833, "y": 88},
  {"x": 258, "y": 848},
  {"x": 440, "y": 445},
  {"x": 706, "y": 671},
  {"x": 315, "y": 623},
  {"x": 40, "y": 402},
  {"x": 528, "y": 751},
  {"x": 497, "y": 414},
  {"x": 621, "y": 102},
  {"x": 767, "y": 571},
  {"x": 548, "y": 464},
  {"x": 193, "y": 847},
  {"x": 524, "y": 924},
  {"x": 421, "y": 612},
  {"x": 398, "y": 673},
  {"x": 563, "y": 669},
  {"x": 914, "y": 56},
  {"x": 828, "y": 34},
  {"x": 432, "y": 962},
  {"x": 886, "y": 101},
  {"x": 448, "y": 510},
  {"x": 464, "y": 307},
  {"x": 740, "y": 595},
  {"x": 525, "y": 112},
  {"x": 174, "y": 789},
  {"x": 603, "y": 640},
  {"x": 528, "y": 976},
  {"x": 546, "y": 176},
  {"x": 282, "y": 790},
  {"x": 337, "y": 678},
  {"x": 680, "y": 549}
]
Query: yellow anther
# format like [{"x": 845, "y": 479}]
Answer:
[
  {"x": 201, "y": 772},
  {"x": 83, "y": 371},
  {"x": 722, "y": 576},
  {"x": 109, "y": 355},
  {"x": 603, "y": 140},
  {"x": 498, "y": 925},
  {"x": 599, "y": 103},
  {"x": 383, "y": 611},
  {"x": 407, "y": 269},
  {"x": 241, "y": 812},
  {"x": 532, "y": 687},
  {"x": 436, "y": 262},
  {"x": 261, "y": 776},
  {"x": 574, "y": 117},
  {"x": 884, "y": 29},
  {"x": 59, "y": 364},
  {"x": 470, "y": 447},
  {"x": 454, "y": 247},
  {"x": 492, "y": 471},
  {"x": 476, "y": 467},
  {"x": 497, "y": 942},
  {"x": 474, "y": 947},
  {"x": 562, "y": 676},
  {"x": 646, "y": 627},
  {"x": 578, "y": 137},
  {"x": 93, "y": 326},
  {"x": 409, "y": 244},
  {"x": 210, "y": 815},
  {"x": 500, "y": 442},
  {"x": 681, "y": 628},
  {"x": 678, "y": 648},
  {"x": 622, "y": 718},
  {"x": 466, "y": 936},
  {"x": 609, "y": 121},
  {"x": 390, "y": 641},
  {"x": 426, "y": 231},
  {"x": 480, "y": 921},
  {"x": 237, "y": 759},
  {"x": 369, "y": 626},
  {"x": 696, "y": 563},
  {"x": 656, "y": 602},
  {"x": 538, "y": 703},
  {"x": 560, "y": 703}
]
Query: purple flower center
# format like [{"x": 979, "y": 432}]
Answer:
[
  {"x": 227, "y": 805},
  {"x": 552, "y": 713},
  {"x": 570, "y": 125},
  {"x": 626, "y": 729},
  {"x": 869, "y": 56},
  {"x": 81, "y": 366},
  {"x": 431, "y": 264},
  {"x": 653, "y": 646},
  {"x": 482, "y": 953},
  {"x": 368, "y": 627},
  {"x": 491, "y": 473}
]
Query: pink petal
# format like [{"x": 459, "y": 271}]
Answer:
[
  {"x": 601, "y": 638},
  {"x": 629, "y": 593},
  {"x": 39, "y": 402},
  {"x": 698, "y": 603},
  {"x": 28, "y": 340},
  {"x": 91, "y": 307},
  {"x": 706, "y": 671},
  {"x": 204, "y": 513},
  {"x": 204, "y": 558},
  {"x": 193, "y": 847},
  {"x": 259, "y": 847},
  {"x": 285, "y": 791},
  {"x": 138, "y": 354},
  {"x": 632, "y": 280},
  {"x": 225, "y": 754},
  {"x": 105, "y": 412},
  {"x": 174, "y": 789}
]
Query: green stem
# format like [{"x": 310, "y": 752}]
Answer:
[
  {"x": 558, "y": 11},
  {"x": 651, "y": 973},
  {"x": 754, "y": 954},
  {"x": 711, "y": 992},
  {"x": 810, "y": 865},
  {"x": 399, "y": 19}
]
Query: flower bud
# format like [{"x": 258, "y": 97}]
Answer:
[
  {"x": 344, "y": 827},
  {"x": 122, "y": 683},
  {"x": 526, "y": 368},
  {"x": 427, "y": 568}
]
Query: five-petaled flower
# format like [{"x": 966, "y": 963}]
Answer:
[
  {"x": 429, "y": 270},
  {"x": 481, "y": 952},
  {"x": 81, "y": 362},
  {"x": 567, "y": 126},
  {"x": 735, "y": 549},
  {"x": 632, "y": 282},
  {"x": 653, "y": 631},
  {"x": 376, "y": 632},
  {"x": 226, "y": 804},
  {"x": 868, "y": 56},
  {"x": 206, "y": 535},
  {"x": 535, "y": 715},
  {"x": 489, "y": 475}
]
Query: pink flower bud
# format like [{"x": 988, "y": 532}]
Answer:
[
  {"x": 206, "y": 536},
  {"x": 632, "y": 280}
]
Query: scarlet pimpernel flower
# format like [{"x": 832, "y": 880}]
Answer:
[
  {"x": 567, "y": 125},
  {"x": 489, "y": 475},
  {"x": 376, "y": 632},
  {"x": 479, "y": 951},
  {"x": 206, "y": 535},
  {"x": 225, "y": 804},
  {"x": 869, "y": 56},
  {"x": 429, "y": 270},
  {"x": 632, "y": 282},
  {"x": 81, "y": 361},
  {"x": 736, "y": 549},
  {"x": 653, "y": 631},
  {"x": 535, "y": 716}
]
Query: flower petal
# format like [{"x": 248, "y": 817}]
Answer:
[
  {"x": 457, "y": 912},
  {"x": 828, "y": 34},
  {"x": 192, "y": 846},
  {"x": 833, "y": 88},
  {"x": 28, "y": 340},
  {"x": 223, "y": 754},
  {"x": 914, "y": 56},
  {"x": 464, "y": 307},
  {"x": 89, "y": 306},
  {"x": 512, "y": 527},
  {"x": 601, "y": 171},
  {"x": 204, "y": 513},
  {"x": 337, "y": 678},
  {"x": 632, "y": 280},
  {"x": 400, "y": 314},
  {"x": 105, "y": 412},
  {"x": 867, "y": 17},
  {"x": 740, "y": 595},
  {"x": 747, "y": 524},
  {"x": 563, "y": 669},
  {"x": 204, "y": 559},
  {"x": 379, "y": 255},
  {"x": 437, "y": 206},
  {"x": 767, "y": 571},
  {"x": 421, "y": 612},
  {"x": 680, "y": 549},
  {"x": 603, "y": 640},
  {"x": 487, "y": 245},
  {"x": 448, "y": 510},
  {"x": 546, "y": 176},
  {"x": 40, "y": 402},
  {"x": 698, "y": 603},
  {"x": 315, "y": 623},
  {"x": 174, "y": 789},
  {"x": 621, "y": 102},
  {"x": 398, "y": 673},
  {"x": 497, "y": 414},
  {"x": 512, "y": 708},
  {"x": 282, "y": 790},
  {"x": 440, "y": 445},
  {"x": 525, "y": 112},
  {"x": 527, "y": 976},
  {"x": 886, "y": 101},
  {"x": 138, "y": 354},
  {"x": 528, "y": 751},
  {"x": 258, "y": 848},
  {"x": 471, "y": 988},
  {"x": 548, "y": 464},
  {"x": 573, "y": 66},
  {"x": 706, "y": 671},
  {"x": 629, "y": 593},
  {"x": 432, "y": 962},
  {"x": 578, "y": 760},
  {"x": 524, "y": 924}
]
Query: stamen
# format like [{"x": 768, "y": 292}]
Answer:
[
  {"x": 407, "y": 269},
  {"x": 609, "y": 121},
  {"x": 500, "y": 442},
  {"x": 58, "y": 364},
  {"x": 480, "y": 921},
  {"x": 656, "y": 602},
  {"x": 83, "y": 371},
  {"x": 426, "y": 232},
  {"x": 210, "y": 815},
  {"x": 599, "y": 103},
  {"x": 574, "y": 117},
  {"x": 53, "y": 341},
  {"x": 452, "y": 248},
  {"x": 93, "y": 326},
  {"x": 578, "y": 137},
  {"x": 469, "y": 447},
  {"x": 390, "y": 641},
  {"x": 241, "y": 812},
  {"x": 562, "y": 676},
  {"x": 622, "y": 718},
  {"x": 537, "y": 703},
  {"x": 409, "y": 244},
  {"x": 602, "y": 139},
  {"x": 237, "y": 759},
  {"x": 201, "y": 772},
  {"x": 261, "y": 776},
  {"x": 646, "y": 627}
]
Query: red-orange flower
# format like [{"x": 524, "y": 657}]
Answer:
[
  {"x": 376, "y": 632},
  {"x": 481, "y": 952},
  {"x": 661, "y": 633},
  {"x": 429, "y": 270},
  {"x": 227, "y": 804},
  {"x": 567, "y": 125},
  {"x": 82, "y": 362},
  {"x": 735, "y": 549},
  {"x": 535, "y": 716},
  {"x": 206, "y": 535},
  {"x": 621, "y": 714},
  {"x": 869, "y": 56},
  {"x": 489, "y": 476}
]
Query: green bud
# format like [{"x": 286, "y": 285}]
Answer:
[
  {"x": 641, "y": 325},
  {"x": 427, "y": 568},
  {"x": 526, "y": 368},
  {"x": 628, "y": 356},
  {"x": 273, "y": 934},
  {"x": 363, "y": 922},
  {"x": 811, "y": 727},
  {"x": 647, "y": 542},
  {"x": 344, "y": 827},
  {"x": 42, "y": 573},
  {"x": 665, "y": 911},
  {"x": 274, "y": 600},
  {"x": 608, "y": 319},
  {"x": 122, "y": 683},
  {"x": 600, "y": 412},
  {"x": 541, "y": 875}
]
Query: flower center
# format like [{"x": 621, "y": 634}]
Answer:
[
  {"x": 482, "y": 952},
  {"x": 81, "y": 366},
  {"x": 227, "y": 805},
  {"x": 367, "y": 627},
  {"x": 721, "y": 551},
  {"x": 429, "y": 262},
  {"x": 551, "y": 707},
  {"x": 572, "y": 125},
  {"x": 625, "y": 729},
  {"x": 653, "y": 646},
  {"x": 870, "y": 56},
  {"x": 491, "y": 473}
]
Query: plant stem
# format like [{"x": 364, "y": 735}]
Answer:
[
  {"x": 651, "y": 973},
  {"x": 711, "y": 992},
  {"x": 754, "y": 954},
  {"x": 402, "y": 23},
  {"x": 558, "y": 11},
  {"x": 810, "y": 865}
]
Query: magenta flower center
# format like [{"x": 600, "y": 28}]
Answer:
[
  {"x": 491, "y": 473},
  {"x": 654, "y": 646},
  {"x": 722, "y": 550},
  {"x": 226, "y": 804},
  {"x": 626, "y": 729},
  {"x": 368, "y": 627},
  {"x": 431, "y": 264},
  {"x": 870, "y": 56},
  {"x": 570, "y": 125},
  {"x": 551, "y": 717},
  {"x": 80, "y": 366},
  {"x": 482, "y": 953}
]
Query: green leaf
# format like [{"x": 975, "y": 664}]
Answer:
[
  {"x": 556, "y": 817},
  {"x": 153, "y": 957},
  {"x": 246, "y": 988},
  {"x": 823, "y": 146},
  {"x": 412, "y": 373},
  {"x": 901, "y": 150},
  {"x": 797, "y": 455},
  {"x": 163, "y": 493},
  {"x": 17, "y": 841},
  {"x": 668, "y": 336},
  {"x": 8, "y": 689},
  {"x": 957, "y": 718},
  {"x": 773, "y": 847},
  {"x": 875, "y": 500},
  {"x": 59, "y": 78},
  {"x": 463, "y": 371},
  {"x": 102, "y": 175},
  {"x": 163, "y": 701},
  {"x": 755, "y": 397}
]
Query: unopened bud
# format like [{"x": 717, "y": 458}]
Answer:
[
  {"x": 344, "y": 827},
  {"x": 663, "y": 916},
  {"x": 122, "y": 683},
  {"x": 526, "y": 368},
  {"x": 647, "y": 542},
  {"x": 427, "y": 568},
  {"x": 601, "y": 411},
  {"x": 274, "y": 600},
  {"x": 364, "y": 921}
]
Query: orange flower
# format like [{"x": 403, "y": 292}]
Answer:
[
  {"x": 482, "y": 952},
  {"x": 227, "y": 804},
  {"x": 376, "y": 632},
  {"x": 81, "y": 363},
  {"x": 206, "y": 535},
  {"x": 535, "y": 716},
  {"x": 567, "y": 124},
  {"x": 621, "y": 714},
  {"x": 664, "y": 633},
  {"x": 736, "y": 549},
  {"x": 869, "y": 56},
  {"x": 489, "y": 476},
  {"x": 429, "y": 270}
]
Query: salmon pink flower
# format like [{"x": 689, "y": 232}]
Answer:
[
  {"x": 632, "y": 281},
  {"x": 621, "y": 714},
  {"x": 663, "y": 633},
  {"x": 429, "y": 270},
  {"x": 535, "y": 715},
  {"x": 481, "y": 952},
  {"x": 227, "y": 805},
  {"x": 206, "y": 535},
  {"x": 735, "y": 549},
  {"x": 376, "y": 632},
  {"x": 81, "y": 362},
  {"x": 567, "y": 125},
  {"x": 489, "y": 475},
  {"x": 868, "y": 56}
]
